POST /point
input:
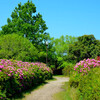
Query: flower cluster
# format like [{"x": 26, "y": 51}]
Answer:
[
  {"x": 85, "y": 65},
  {"x": 21, "y": 75}
]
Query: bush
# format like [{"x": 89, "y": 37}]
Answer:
[
  {"x": 83, "y": 67},
  {"x": 86, "y": 78},
  {"x": 16, "y": 76},
  {"x": 89, "y": 85},
  {"x": 13, "y": 46}
]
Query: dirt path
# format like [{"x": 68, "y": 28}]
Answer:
[{"x": 47, "y": 91}]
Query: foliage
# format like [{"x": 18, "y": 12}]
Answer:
[
  {"x": 61, "y": 47},
  {"x": 17, "y": 47},
  {"x": 86, "y": 78},
  {"x": 48, "y": 52},
  {"x": 16, "y": 76},
  {"x": 96, "y": 51},
  {"x": 26, "y": 22},
  {"x": 69, "y": 93},
  {"x": 82, "y": 68},
  {"x": 0, "y": 31},
  {"x": 89, "y": 85},
  {"x": 67, "y": 68},
  {"x": 86, "y": 47}
]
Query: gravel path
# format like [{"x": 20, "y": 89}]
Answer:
[{"x": 47, "y": 91}]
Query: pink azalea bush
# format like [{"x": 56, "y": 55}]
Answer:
[
  {"x": 83, "y": 68},
  {"x": 85, "y": 65},
  {"x": 16, "y": 76},
  {"x": 86, "y": 78}
]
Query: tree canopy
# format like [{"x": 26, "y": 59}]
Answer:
[
  {"x": 86, "y": 47},
  {"x": 61, "y": 45},
  {"x": 13, "y": 46},
  {"x": 26, "y": 22}
]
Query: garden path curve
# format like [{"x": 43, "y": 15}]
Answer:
[{"x": 47, "y": 91}]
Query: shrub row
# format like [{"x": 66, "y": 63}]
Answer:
[
  {"x": 86, "y": 78},
  {"x": 16, "y": 76},
  {"x": 85, "y": 65}
]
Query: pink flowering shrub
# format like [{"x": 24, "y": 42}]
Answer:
[
  {"x": 82, "y": 68},
  {"x": 16, "y": 76},
  {"x": 86, "y": 78},
  {"x": 85, "y": 65}
]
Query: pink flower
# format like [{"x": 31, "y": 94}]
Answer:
[
  {"x": 80, "y": 70},
  {"x": 94, "y": 65},
  {"x": 11, "y": 71},
  {"x": 89, "y": 68},
  {"x": 9, "y": 75},
  {"x": 85, "y": 65},
  {"x": 98, "y": 61},
  {"x": 1, "y": 66},
  {"x": 76, "y": 66}
]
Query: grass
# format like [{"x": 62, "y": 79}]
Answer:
[
  {"x": 62, "y": 96},
  {"x": 67, "y": 94}
]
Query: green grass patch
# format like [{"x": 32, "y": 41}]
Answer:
[
  {"x": 62, "y": 96},
  {"x": 67, "y": 94}
]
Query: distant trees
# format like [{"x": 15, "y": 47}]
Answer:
[
  {"x": 86, "y": 47},
  {"x": 61, "y": 47}
]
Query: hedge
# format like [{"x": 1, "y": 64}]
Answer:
[{"x": 16, "y": 76}]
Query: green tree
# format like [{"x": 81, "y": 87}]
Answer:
[
  {"x": 86, "y": 47},
  {"x": 96, "y": 49},
  {"x": 48, "y": 52},
  {"x": 26, "y": 22},
  {"x": 13, "y": 46},
  {"x": 61, "y": 47}
]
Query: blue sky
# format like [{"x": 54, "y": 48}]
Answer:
[{"x": 62, "y": 17}]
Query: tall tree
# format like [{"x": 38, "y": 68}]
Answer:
[{"x": 26, "y": 22}]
